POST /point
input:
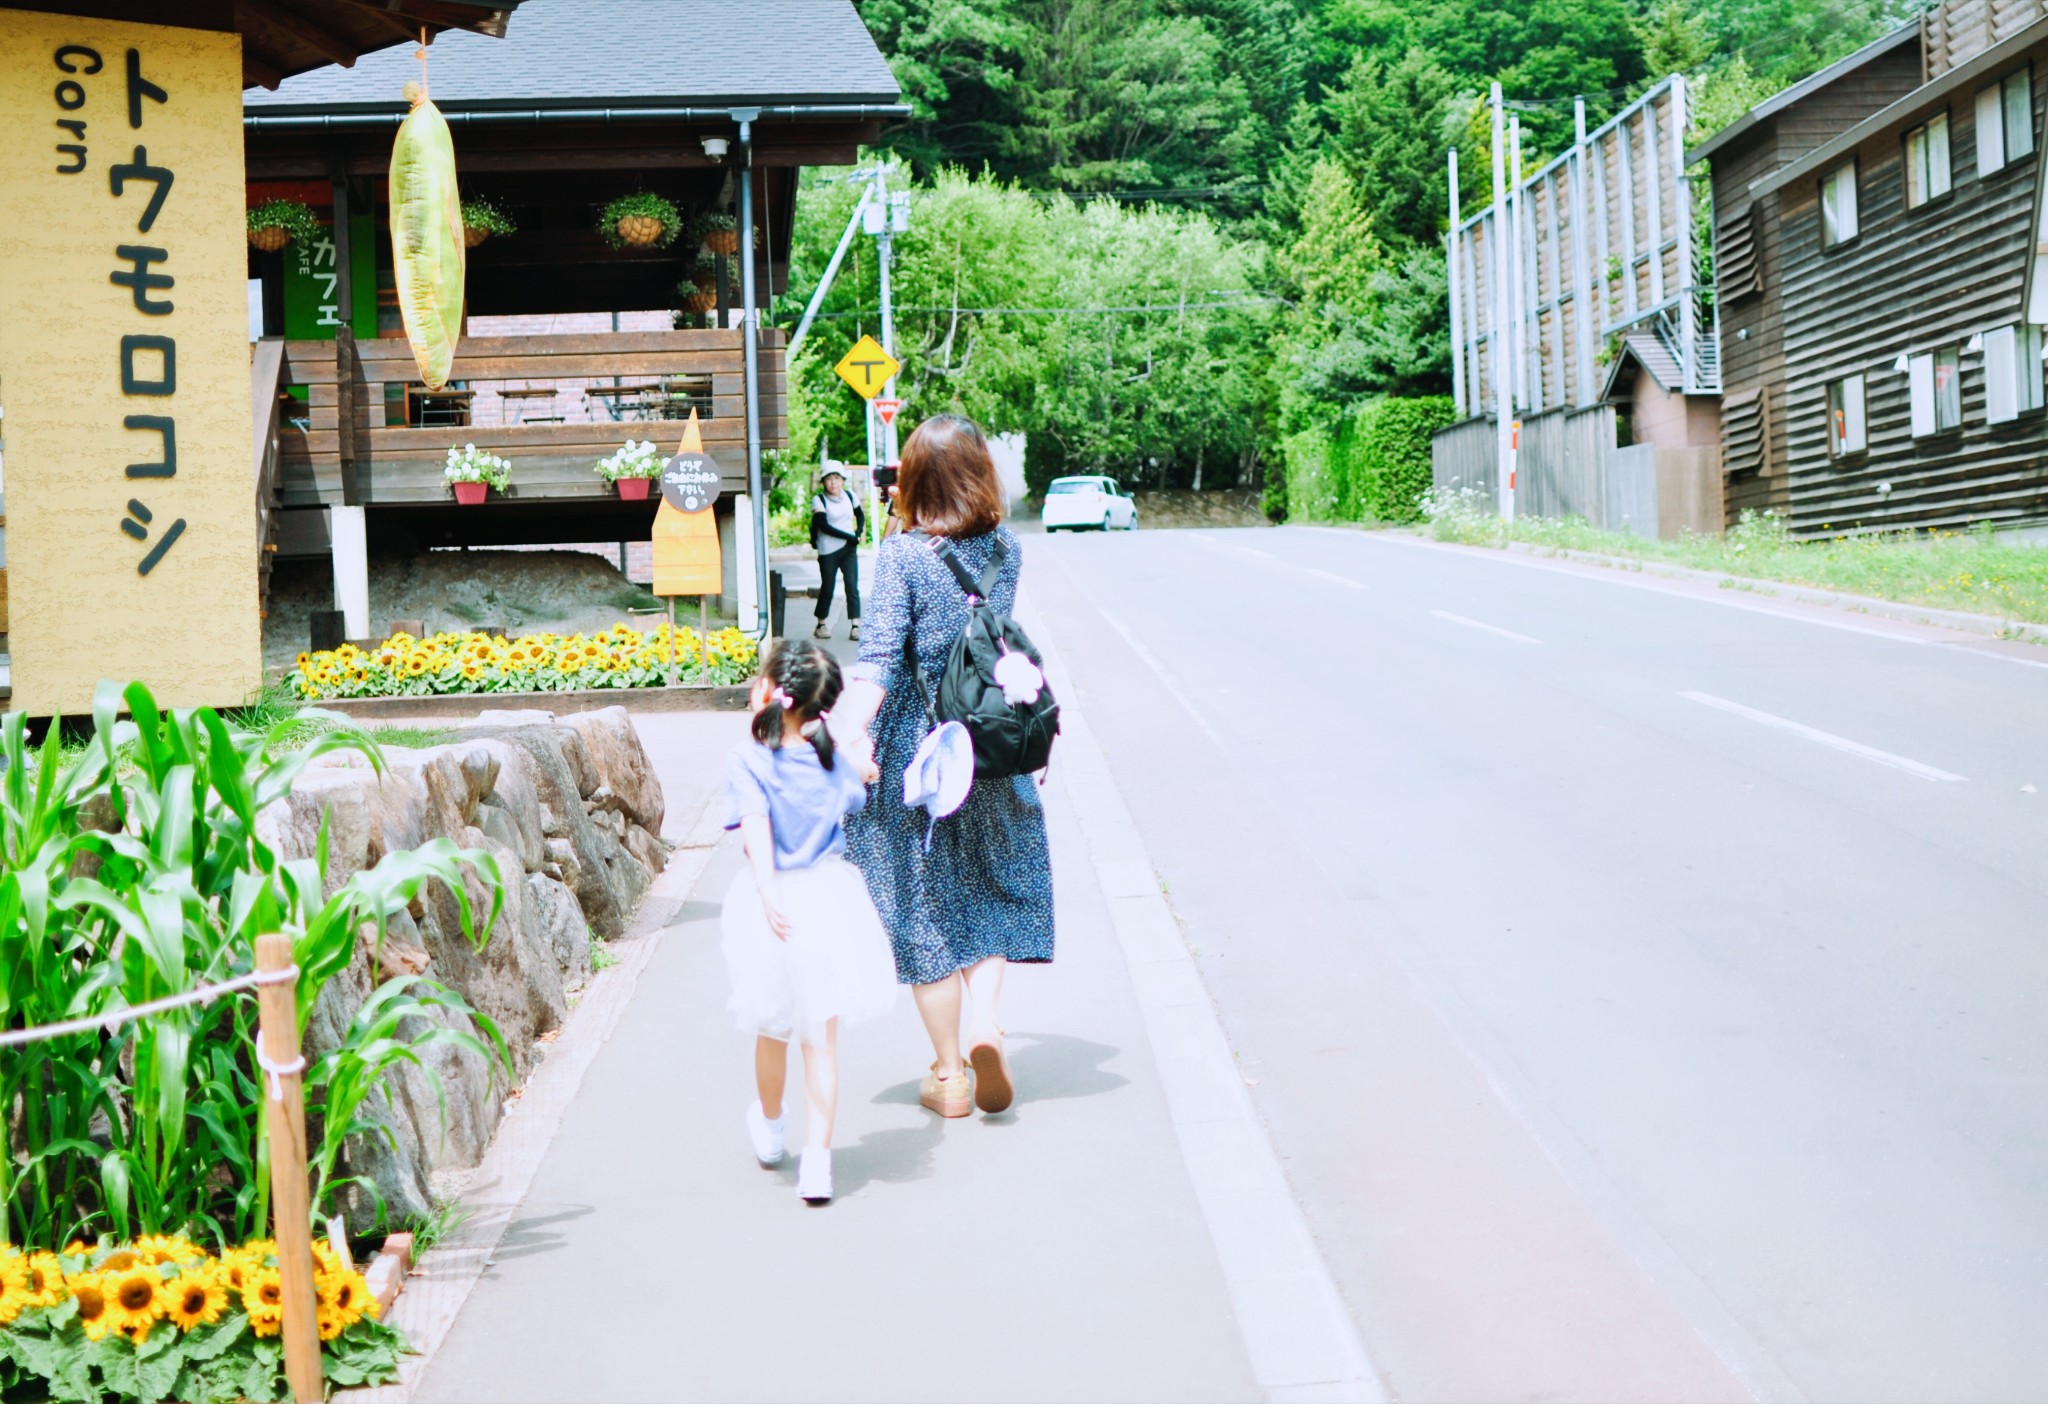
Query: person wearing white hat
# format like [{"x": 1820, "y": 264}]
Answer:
[
  {"x": 837, "y": 524},
  {"x": 963, "y": 882}
]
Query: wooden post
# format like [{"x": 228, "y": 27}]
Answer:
[
  {"x": 703, "y": 632},
  {"x": 284, "y": 1100},
  {"x": 671, "y": 638}
]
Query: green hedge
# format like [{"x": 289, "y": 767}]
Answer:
[{"x": 1374, "y": 468}]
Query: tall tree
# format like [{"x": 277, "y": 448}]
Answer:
[{"x": 1389, "y": 119}]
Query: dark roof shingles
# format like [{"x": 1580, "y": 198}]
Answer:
[{"x": 625, "y": 52}]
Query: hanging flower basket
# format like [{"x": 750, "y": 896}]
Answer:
[
  {"x": 699, "y": 301},
  {"x": 275, "y": 223},
  {"x": 641, "y": 221},
  {"x": 481, "y": 219},
  {"x": 721, "y": 234}
]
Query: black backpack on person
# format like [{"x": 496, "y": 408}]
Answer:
[{"x": 1009, "y": 738}]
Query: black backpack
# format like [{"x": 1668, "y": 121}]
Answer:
[{"x": 1009, "y": 739}]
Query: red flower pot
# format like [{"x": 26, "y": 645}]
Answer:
[
  {"x": 471, "y": 494},
  {"x": 633, "y": 489}
]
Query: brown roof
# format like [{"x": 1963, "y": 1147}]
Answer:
[{"x": 283, "y": 37}]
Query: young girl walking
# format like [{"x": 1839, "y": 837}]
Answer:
[{"x": 802, "y": 942}]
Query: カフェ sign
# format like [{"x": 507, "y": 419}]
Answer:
[{"x": 124, "y": 363}]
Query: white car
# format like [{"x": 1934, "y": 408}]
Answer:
[{"x": 1088, "y": 504}]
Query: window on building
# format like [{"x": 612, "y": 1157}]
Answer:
[
  {"x": 2005, "y": 121},
  {"x": 1845, "y": 417},
  {"x": 2028, "y": 352},
  {"x": 1935, "y": 391},
  {"x": 1928, "y": 174},
  {"x": 1838, "y": 205},
  {"x": 2012, "y": 372}
]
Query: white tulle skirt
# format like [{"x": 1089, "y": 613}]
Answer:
[{"x": 836, "y": 963}]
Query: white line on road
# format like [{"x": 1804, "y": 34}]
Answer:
[
  {"x": 1159, "y": 669},
  {"x": 1489, "y": 628},
  {"x": 1299, "y": 1336},
  {"x": 1331, "y": 577},
  {"x": 1826, "y": 738},
  {"x": 1636, "y": 579},
  {"x": 1232, "y": 547}
]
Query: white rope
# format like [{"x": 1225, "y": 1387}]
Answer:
[
  {"x": 278, "y": 1071},
  {"x": 114, "y": 1018}
]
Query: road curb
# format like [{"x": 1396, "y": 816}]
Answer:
[
  {"x": 1298, "y": 1333},
  {"x": 1965, "y": 621}
]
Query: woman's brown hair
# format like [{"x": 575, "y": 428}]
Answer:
[{"x": 948, "y": 481}]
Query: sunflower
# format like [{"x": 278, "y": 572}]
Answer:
[
  {"x": 120, "y": 1260},
  {"x": 197, "y": 1299},
  {"x": 13, "y": 1269},
  {"x": 137, "y": 1296},
  {"x": 168, "y": 1248},
  {"x": 95, "y": 1307},
  {"x": 263, "y": 1296},
  {"x": 417, "y": 664},
  {"x": 45, "y": 1284},
  {"x": 347, "y": 1295}
]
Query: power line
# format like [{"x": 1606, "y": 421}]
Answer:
[{"x": 1075, "y": 311}]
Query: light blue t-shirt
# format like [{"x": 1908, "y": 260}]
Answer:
[{"x": 805, "y": 803}]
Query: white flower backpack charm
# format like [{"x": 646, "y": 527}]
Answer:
[{"x": 1019, "y": 678}]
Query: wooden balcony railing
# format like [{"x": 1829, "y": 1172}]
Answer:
[{"x": 500, "y": 404}]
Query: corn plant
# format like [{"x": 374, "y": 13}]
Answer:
[{"x": 133, "y": 871}]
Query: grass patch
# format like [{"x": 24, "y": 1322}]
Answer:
[{"x": 1972, "y": 570}]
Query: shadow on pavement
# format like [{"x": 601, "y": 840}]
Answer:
[
  {"x": 525, "y": 1237},
  {"x": 1047, "y": 1067}
]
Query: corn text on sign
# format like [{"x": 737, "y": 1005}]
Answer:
[{"x": 124, "y": 363}]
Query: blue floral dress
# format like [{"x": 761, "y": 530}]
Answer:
[{"x": 984, "y": 888}]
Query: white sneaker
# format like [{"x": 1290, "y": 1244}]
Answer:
[
  {"x": 765, "y": 1134},
  {"x": 823, "y": 631},
  {"x": 814, "y": 1176}
]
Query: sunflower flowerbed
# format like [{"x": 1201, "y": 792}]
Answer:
[
  {"x": 439, "y": 664},
  {"x": 161, "y": 1318}
]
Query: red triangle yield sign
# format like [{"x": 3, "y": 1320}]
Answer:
[{"x": 887, "y": 410}]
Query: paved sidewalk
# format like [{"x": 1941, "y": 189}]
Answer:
[{"x": 1055, "y": 1252}]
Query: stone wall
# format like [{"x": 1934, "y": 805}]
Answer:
[{"x": 572, "y": 811}]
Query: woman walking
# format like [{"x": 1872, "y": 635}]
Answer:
[{"x": 965, "y": 896}]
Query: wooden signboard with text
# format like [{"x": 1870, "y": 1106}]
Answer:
[{"x": 124, "y": 363}]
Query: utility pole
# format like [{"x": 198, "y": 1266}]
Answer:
[
  {"x": 883, "y": 248},
  {"x": 1500, "y": 359}
]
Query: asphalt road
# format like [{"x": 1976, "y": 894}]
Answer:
[{"x": 1642, "y": 984}]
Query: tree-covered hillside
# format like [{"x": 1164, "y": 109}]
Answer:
[{"x": 1192, "y": 240}]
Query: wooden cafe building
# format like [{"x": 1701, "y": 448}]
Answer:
[{"x": 572, "y": 343}]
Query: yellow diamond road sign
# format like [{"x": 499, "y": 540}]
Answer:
[{"x": 867, "y": 368}]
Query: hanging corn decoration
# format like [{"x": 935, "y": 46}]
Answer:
[{"x": 427, "y": 245}]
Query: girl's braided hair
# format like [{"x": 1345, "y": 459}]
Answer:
[{"x": 808, "y": 678}]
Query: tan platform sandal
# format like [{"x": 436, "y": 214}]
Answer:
[
  {"x": 994, "y": 1089},
  {"x": 948, "y": 1096}
]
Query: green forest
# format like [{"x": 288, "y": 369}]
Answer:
[{"x": 1198, "y": 243}]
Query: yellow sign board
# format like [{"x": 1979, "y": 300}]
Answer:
[
  {"x": 867, "y": 368},
  {"x": 686, "y": 554},
  {"x": 124, "y": 363}
]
